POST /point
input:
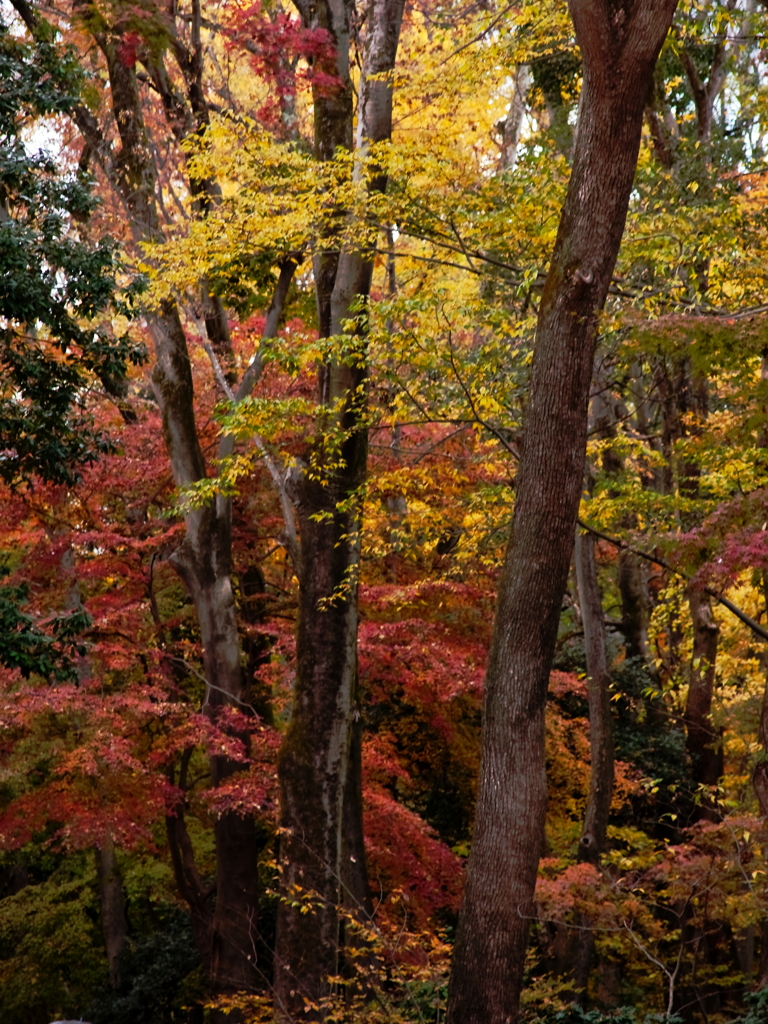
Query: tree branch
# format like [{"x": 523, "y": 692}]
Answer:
[{"x": 755, "y": 626}]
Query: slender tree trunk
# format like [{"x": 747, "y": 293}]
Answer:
[
  {"x": 113, "y": 922},
  {"x": 321, "y": 850},
  {"x": 592, "y": 842},
  {"x": 204, "y": 558},
  {"x": 512, "y": 125},
  {"x": 601, "y": 780},
  {"x": 635, "y": 606},
  {"x": 619, "y": 45},
  {"x": 702, "y": 740}
]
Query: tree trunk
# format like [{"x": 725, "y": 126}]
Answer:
[
  {"x": 619, "y": 44},
  {"x": 635, "y": 606},
  {"x": 512, "y": 125},
  {"x": 760, "y": 774},
  {"x": 204, "y": 558},
  {"x": 113, "y": 923},
  {"x": 592, "y": 842},
  {"x": 601, "y": 780},
  {"x": 321, "y": 849},
  {"x": 703, "y": 741}
]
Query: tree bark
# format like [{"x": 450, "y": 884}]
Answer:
[
  {"x": 512, "y": 126},
  {"x": 619, "y": 44},
  {"x": 321, "y": 849},
  {"x": 635, "y": 607}
]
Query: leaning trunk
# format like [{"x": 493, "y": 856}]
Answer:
[{"x": 619, "y": 44}]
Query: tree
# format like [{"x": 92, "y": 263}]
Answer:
[
  {"x": 104, "y": 743},
  {"x": 619, "y": 49},
  {"x": 322, "y": 850},
  {"x": 56, "y": 284}
]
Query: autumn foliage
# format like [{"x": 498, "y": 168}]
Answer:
[{"x": 119, "y": 760}]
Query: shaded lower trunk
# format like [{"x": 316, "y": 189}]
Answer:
[
  {"x": 635, "y": 606},
  {"x": 592, "y": 843},
  {"x": 703, "y": 740},
  {"x": 760, "y": 774},
  {"x": 203, "y": 563},
  {"x": 319, "y": 794},
  {"x": 113, "y": 922},
  {"x": 234, "y": 931},
  {"x": 189, "y": 883}
]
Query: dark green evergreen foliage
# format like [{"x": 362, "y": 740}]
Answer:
[
  {"x": 649, "y": 737},
  {"x": 52, "y": 281},
  {"x": 757, "y": 1008},
  {"x": 575, "y": 1014},
  {"x": 646, "y": 733},
  {"x": 160, "y": 972},
  {"x": 51, "y": 953},
  {"x": 24, "y": 646}
]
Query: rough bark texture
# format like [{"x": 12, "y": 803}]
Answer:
[
  {"x": 619, "y": 43},
  {"x": 321, "y": 851}
]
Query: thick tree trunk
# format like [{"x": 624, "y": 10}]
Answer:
[
  {"x": 619, "y": 44},
  {"x": 322, "y": 857}
]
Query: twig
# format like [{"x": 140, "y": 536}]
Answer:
[{"x": 483, "y": 423}]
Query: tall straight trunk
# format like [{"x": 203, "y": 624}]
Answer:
[
  {"x": 321, "y": 848},
  {"x": 592, "y": 842},
  {"x": 635, "y": 606},
  {"x": 760, "y": 775},
  {"x": 702, "y": 738},
  {"x": 619, "y": 43},
  {"x": 684, "y": 394},
  {"x": 113, "y": 923}
]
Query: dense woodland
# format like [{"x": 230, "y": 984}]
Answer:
[{"x": 384, "y": 494}]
